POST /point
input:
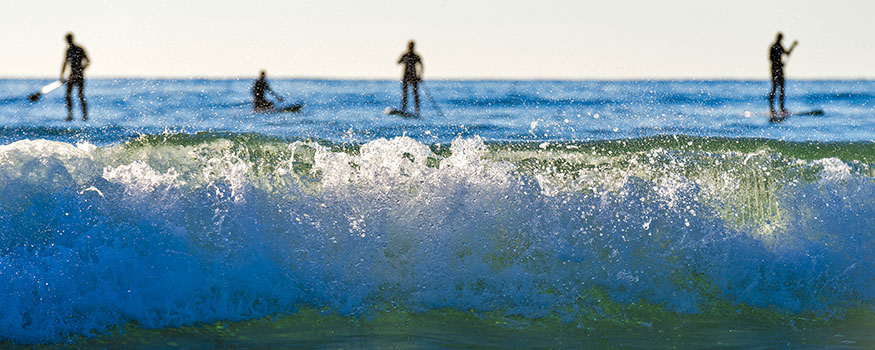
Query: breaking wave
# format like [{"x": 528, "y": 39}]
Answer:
[{"x": 172, "y": 230}]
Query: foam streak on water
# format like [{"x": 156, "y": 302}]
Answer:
[{"x": 173, "y": 230}]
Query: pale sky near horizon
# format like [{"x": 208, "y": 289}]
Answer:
[{"x": 619, "y": 39}]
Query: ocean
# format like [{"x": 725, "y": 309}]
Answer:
[{"x": 511, "y": 214}]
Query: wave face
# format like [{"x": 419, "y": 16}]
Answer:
[{"x": 171, "y": 230}]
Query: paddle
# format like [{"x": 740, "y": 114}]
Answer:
[
  {"x": 796, "y": 42},
  {"x": 45, "y": 89},
  {"x": 433, "y": 103}
]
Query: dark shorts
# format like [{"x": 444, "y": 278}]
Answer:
[
  {"x": 778, "y": 75},
  {"x": 75, "y": 80}
]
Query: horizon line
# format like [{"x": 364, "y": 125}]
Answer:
[{"x": 284, "y": 77}]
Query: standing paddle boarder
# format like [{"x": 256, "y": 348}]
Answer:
[
  {"x": 411, "y": 76},
  {"x": 78, "y": 61},
  {"x": 776, "y": 56}
]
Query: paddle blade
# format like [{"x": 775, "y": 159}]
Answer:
[
  {"x": 44, "y": 90},
  {"x": 48, "y": 88}
]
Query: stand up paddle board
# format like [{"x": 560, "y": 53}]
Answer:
[
  {"x": 287, "y": 109},
  {"x": 46, "y": 89},
  {"x": 404, "y": 114},
  {"x": 779, "y": 117},
  {"x": 293, "y": 108}
]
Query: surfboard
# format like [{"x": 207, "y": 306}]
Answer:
[
  {"x": 401, "y": 113},
  {"x": 292, "y": 108},
  {"x": 287, "y": 109},
  {"x": 813, "y": 112},
  {"x": 45, "y": 89},
  {"x": 782, "y": 116}
]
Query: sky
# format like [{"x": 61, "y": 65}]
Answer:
[{"x": 467, "y": 39}]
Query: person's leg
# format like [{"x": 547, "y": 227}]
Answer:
[
  {"x": 260, "y": 105},
  {"x": 416, "y": 95},
  {"x": 81, "y": 86},
  {"x": 782, "y": 96},
  {"x": 69, "y": 99},
  {"x": 772, "y": 94},
  {"x": 404, "y": 96}
]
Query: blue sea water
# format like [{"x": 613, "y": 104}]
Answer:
[
  {"x": 634, "y": 214},
  {"x": 352, "y": 111}
]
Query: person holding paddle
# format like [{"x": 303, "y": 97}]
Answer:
[
  {"x": 259, "y": 89},
  {"x": 78, "y": 62},
  {"x": 776, "y": 56},
  {"x": 411, "y": 76}
]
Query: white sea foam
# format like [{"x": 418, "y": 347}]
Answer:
[{"x": 169, "y": 234}]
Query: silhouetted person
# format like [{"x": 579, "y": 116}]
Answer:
[
  {"x": 259, "y": 101},
  {"x": 411, "y": 75},
  {"x": 776, "y": 56},
  {"x": 78, "y": 61}
]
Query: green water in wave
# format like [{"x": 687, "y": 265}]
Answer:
[
  {"x": 863, "y": 152},
  {"x": 742, "y": 180},
  {"x": 635, "y": 326}
]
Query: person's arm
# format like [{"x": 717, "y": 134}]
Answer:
[
  {"x": 87, "y": 60},
  {"x": 278, "y": 97},
  {"x": 421, "y": 69},
  {"x": 792, "y": 47}
]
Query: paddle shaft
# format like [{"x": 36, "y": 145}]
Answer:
[
  {"x": 433, "y": 103},
  {"x": 789, "y": 51}
]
